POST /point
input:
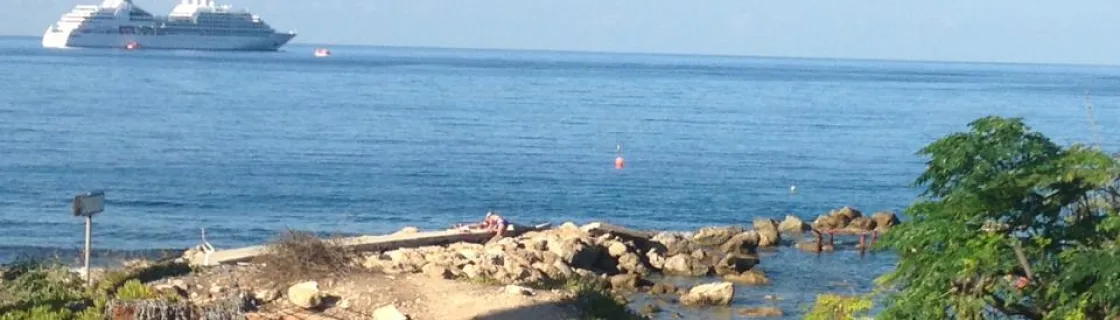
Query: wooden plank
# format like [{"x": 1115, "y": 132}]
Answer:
[
  {"x": 362, "y": 243},
  {"x": 368, "y": 243},
  {"x": 599, "y": 228}
]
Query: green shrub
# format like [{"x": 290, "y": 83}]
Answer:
[
  {"x": 595, "y": 301},
  {"x": 134, "y": 290}
]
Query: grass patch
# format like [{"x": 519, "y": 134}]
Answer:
[
  {"x": 48, "y": 290},
  {"x": 299, "y": 256},
  {"x": 840, "y": 307}
]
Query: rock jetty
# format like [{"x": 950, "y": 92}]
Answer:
[{"x": 613, "y": 257}]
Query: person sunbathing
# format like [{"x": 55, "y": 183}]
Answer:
[{"x": 495, "y": 223}]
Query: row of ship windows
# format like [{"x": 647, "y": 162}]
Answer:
[{"x": 176, "y": 32}]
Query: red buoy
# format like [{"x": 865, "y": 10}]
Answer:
[{"x": 619, "y": 163}]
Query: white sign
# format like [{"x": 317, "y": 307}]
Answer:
[{"x": 89, "y": 204}]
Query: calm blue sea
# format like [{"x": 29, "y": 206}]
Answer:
[{"x": 373, "y": 139}]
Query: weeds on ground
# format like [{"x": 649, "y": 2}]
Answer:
[
  {"x": 839, "y": 307},
  {"x": 35, "y": 289},
  {"x": 595, "y": 300},
  {"x": 298, "y": 256}
]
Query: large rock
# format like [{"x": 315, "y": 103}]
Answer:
[
  {"x": 673, "y": 243},
  {"x": 305, "y": 295},
  {"x": 616, "y": 248},
  {"x": 768, "y": 234},
  {"x": 846, "y": 214},
  {"x": 793, "y": 224},
  {"x": 632, "y": 263},
  {"x": 575, "y": 252},
  {"x": 389, "y": 312},
  {"x": 715, "y": 236},
  {"x": 884, "y": 220},
  {"x": 742, "y": 243},
  {"x": 435, "y": 271},
  {"x": 624, "y": 281},
  {"x": 685, "y": 265},
  {"x": 715, "y": 294},
  {"x": 826, "y": 222},
  {"x": 761, "y": 312},
  {"x": 656, "y": 259},
  {"x": 663, "y": 288},
  {"x": 751, "y": 277},
  {"x": 862, "y": 224},
  {"x": 735, "y": 264}
]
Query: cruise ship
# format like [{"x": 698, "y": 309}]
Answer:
[{"x": 191, "y": 25}]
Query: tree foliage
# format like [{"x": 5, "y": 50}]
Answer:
[{"x": 1009, "y": 224}]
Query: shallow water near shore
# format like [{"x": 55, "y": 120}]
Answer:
[{"x": 374, "y": 139}]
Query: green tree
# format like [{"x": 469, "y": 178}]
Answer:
[{"x": 1009, "y": 224}]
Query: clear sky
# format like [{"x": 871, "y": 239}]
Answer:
[{"x": 948, "y": 30}]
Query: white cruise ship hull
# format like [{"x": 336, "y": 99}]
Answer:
[{"x": 180, "y": 42}]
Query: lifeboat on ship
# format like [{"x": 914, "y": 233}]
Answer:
[{"x": 322, "y": 53}]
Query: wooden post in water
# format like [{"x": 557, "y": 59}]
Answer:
[
  {"x": 862, "y": 242},
  {"x": 820, "y": 246}
]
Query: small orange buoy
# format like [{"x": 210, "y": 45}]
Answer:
[{"x": 619, "y": 163}]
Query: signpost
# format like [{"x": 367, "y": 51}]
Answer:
[{"x": 86, "y": 205}]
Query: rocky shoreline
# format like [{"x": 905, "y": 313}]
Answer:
[{"x": 619, "y": 262}]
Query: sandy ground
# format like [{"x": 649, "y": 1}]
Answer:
[{"x": 416, "y": 295}]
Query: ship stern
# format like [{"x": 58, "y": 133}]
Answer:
[{"x": 56, "y": 38}]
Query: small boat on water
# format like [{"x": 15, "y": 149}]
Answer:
[
  {"x": 132, "y": 45},
  {"x": 322, "y": 53}
]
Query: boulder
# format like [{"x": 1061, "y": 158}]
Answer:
[
  {"x": 826, "y": 222},
  {"x": 624, "y": 281},
  {"x": 846, "y": 214},
  {"x": 673, "y": 243},
  {"x": 761, "y": 312},
  {"x": 884, "y": 220},
  {"x": 862, "y": 224},
  {"x": 768, "y": 234},
  {"x": 715, "y": 294},
  {"x": 575, "y": 252},
  {"x": 793, "y": 224},
  {"x": 735, "y": 264},
  {"x": 560, "y": 270},
  {"x": 685, "y": 265},
  {"x": 656, "y": 259},
  {"x": 764, "y": 224},
  {"x": 518, "y": 290},
  {"x": 769, "y": 237},
  {"x": 616, "y": 248},
  {"x": 742, "y": 243},
  {"x": 663, "y": 288},
  {"x": 715, "y": 236},
  {"x": 411, "y": 257},
  {"x": 650, "y": 309},
  {"x": 632, "y": 263},
  {"x": 389, "y": 312},
  {"x": 436, "y": 271},
  {"x": 305, "y": 295},
  {"x": 751, "y": 277},
  {"x": 472, "y": 271}
]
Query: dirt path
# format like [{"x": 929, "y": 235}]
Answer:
[{"x": 423, "y": 298}]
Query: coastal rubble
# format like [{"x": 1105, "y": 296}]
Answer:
[{"x": 618, "y": 259}]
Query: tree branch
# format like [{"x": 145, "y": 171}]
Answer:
[{"x": 1022, "y": 259}]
